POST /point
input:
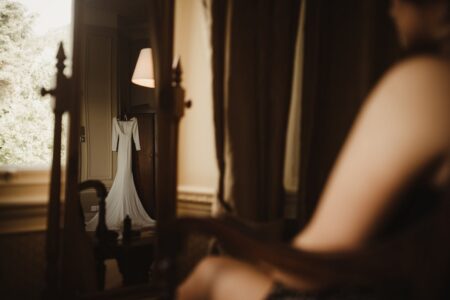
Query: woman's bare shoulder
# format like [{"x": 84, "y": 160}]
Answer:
[
  {"x": 419, "y": 72},
  {"x": 416, "y": 83},
  {"x": 417, "y": 91},
  {"x": 423, "y": 63},
  {"x": 403, "y": 126}
]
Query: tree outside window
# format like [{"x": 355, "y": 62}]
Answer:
[{"x": 27, "y": 63}]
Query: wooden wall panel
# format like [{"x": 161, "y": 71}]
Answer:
[{"x": 144, "y": 162}]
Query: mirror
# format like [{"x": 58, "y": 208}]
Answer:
[
  {"x": 114, "y": 34},
  {"x": 118, "y": 115}
]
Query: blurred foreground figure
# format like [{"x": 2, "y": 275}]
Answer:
[{"x": 394, "y": 166}]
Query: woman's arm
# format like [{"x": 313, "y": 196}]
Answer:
[{"x": 402, "y": 128}]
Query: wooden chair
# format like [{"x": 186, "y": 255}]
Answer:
[{"x": 104, "y": 238}]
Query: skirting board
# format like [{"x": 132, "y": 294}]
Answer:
[{"x": 195, "y": 201}]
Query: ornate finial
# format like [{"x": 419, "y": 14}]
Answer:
[
  {"x": 44, "y": 92},
  {"x": 61, "y": 57},
  {"x": 177, "y": 72},
  {"x": 61, "y": 102}
]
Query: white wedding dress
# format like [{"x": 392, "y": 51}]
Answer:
[{"x": 122, "y": 199}]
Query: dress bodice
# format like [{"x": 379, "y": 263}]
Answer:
[{"x": 123, "y": 131}]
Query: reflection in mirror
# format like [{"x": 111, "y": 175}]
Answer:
[
  {"x": 108, "y": 40},
  {"x": 118, "y": 137}
]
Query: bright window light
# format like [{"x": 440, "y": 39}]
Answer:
[{"x": 30, "y": 31}]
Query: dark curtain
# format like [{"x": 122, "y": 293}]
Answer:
[
  {"x": 218, "y": 37},
  {"x": 348, "y": 44},
  {"x": 253, "y": 56}
]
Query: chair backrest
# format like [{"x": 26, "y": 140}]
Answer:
[{"x": 101, "y": 229}]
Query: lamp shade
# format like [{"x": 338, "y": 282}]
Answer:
[{"x": 143, "y": 72}]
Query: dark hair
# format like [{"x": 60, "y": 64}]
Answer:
[
  {"x": 429, "y": 2},
  {"x": 435, "y": 45},
  {"x": 424, "y": 2}
]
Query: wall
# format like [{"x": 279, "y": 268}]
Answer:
[
  {"x": 197, "y": 170},
  {"x": 23, "y": 199},
  {"x": 22, "y": 265},
  {"x": 23, "y": 211}
]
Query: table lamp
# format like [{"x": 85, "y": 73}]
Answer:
[{"x": 143, "y": 72}]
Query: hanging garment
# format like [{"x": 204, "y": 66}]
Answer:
[{"x": 122, "y": 199}]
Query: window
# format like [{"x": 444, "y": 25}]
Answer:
[{"x": 30, "y": 32}]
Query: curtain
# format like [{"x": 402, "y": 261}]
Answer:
[
  {"x": 253, "y": 56},
  {"x": 348, "y": 45},
  {"x": 218, "y": 40}
]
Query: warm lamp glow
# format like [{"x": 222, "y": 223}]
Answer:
[{"x": 143, "y": 72}]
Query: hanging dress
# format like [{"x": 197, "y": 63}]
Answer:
[{"x": 122, "y": 199}]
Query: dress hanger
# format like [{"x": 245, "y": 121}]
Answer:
[{"x": 123, "y": 117}]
